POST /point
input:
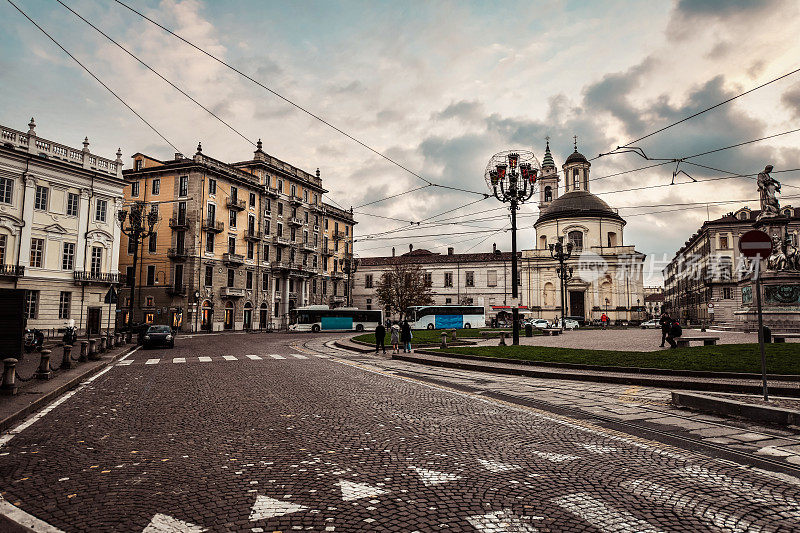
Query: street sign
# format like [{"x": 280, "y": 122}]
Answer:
[
  {"x": 111, "y": 296},
  {"x": 755, "y": 243},
  {"x": 711, "y": 305}
]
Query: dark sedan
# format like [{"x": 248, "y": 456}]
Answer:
[{"x": 158, "y": 336}]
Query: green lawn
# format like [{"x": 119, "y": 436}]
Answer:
[
  {"x": 426, "y": 336},
  {"x": 781, "y": 358}
]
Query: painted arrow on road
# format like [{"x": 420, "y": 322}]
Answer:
[
  {"x": 266, "y": 507},
  {"x": 161, "y": 523},
  {"x": 356, "y": 491}
]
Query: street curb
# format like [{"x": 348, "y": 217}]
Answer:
[
  {"x": 727, "y": 407},
  {"x": 40, "y": 402},
  {"x": 622, "y": 380},
  {"x": 352, "y": 348},
  {"x": 15, "y": 520},
  {"x": 630, "y": 369}
]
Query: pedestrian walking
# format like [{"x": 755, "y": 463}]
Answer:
[
  {"x": 675, "y": 331},
  {"x": 395, "y": 332},
  {"x": 604, "y": 321},
  {"x": 406, "y": 336},
  {"x": 380, "y": 336},
  {"x": 666, "y": 324}
]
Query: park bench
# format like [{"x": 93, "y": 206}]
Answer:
[
  {"x": 683, "y": 342},
  {"x": 551, "y": 331},
  {"x": 781, "y": 337}
]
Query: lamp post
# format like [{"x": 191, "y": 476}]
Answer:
[
  {"x": 140, "y": 226},
  {"x": 511, "y": 176},
  {"x": 350, "y": 266},
  {"x": 561, "y": 252}
]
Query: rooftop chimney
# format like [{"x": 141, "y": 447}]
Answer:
[
  {"x": 410, "y": 248},
  {"x": 494, "y": 247},
  {"x": 450, "y": 250},
  {"x": 178, "y": 156},
  {"x": 393, "y": 251}
]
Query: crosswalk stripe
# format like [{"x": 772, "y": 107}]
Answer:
[
  {"x": 504, "y": 521},
  {"x": 179, "y": 360},
  {"x": 740, "y": 487},
  {"x": 229, "y": 358},
  {"x": 298, "y": 356},
  {"x": 204, "y": 359},
  {"x": 152, "y": 361},
  {"x": 320, "y": 356},
  {"x": 254, "y": 357},
  {"x": 276, "y": 356},
  {"x": 601, "y": 515}
]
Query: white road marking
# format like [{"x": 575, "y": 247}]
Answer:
[
  {"x": 320, "y": 356},
  {"x": 555, "y": 457},
  {"x": 298, "y": 356},
  {"x": 161, "y": 523},
  {"x": 601, "y": 515},
  {"x": 688, "y": 501},
  {"x": 204, "y": 359},
  {"x": 229, "y": 358},
  {"x": 596, "y": 448},
  {"x": 496, "y": 466},
  {"x": 266, "y": 507},
  {"x": 152, "y": 361},
  {"x": 178, "y": 359},
  {"x": 125, "y": 363},
  {"x": 356, "y": 491},
  {"x": 276, "y": 356},
  {"x": 25, "y": 520},
  {"x": 740, "y": 487},
  {"x": 431, "y": 477},
  {"x": 503, "y": 521},
  {"x": 254, "y": 357}
]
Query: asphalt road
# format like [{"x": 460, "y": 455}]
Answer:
[{"x": 259, "y": 433}]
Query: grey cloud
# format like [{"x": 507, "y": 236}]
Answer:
[
  {"x": 721, "y": 8},
  {"x": 463, "y": 109},
  {"x": 791, "y": 99}
]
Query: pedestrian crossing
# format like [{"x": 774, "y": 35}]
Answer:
[{"x": 221, "y": 359}]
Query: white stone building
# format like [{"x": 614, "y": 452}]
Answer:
[
  {"x": 607, "y": 272},
  {"x": 59, "y": 237}
]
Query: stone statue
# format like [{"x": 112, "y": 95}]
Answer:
[
  {"x": 777, "y": 259},
  {"x": 768, "y": 188}
]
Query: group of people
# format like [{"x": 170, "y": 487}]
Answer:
[
  {"x": 670, "y": 330},
  {"x": 400, "y": 334}
]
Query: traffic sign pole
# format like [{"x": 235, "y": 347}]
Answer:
[
  {"x": 754, "y": 244},
  {"x": 761, "y": 327}
]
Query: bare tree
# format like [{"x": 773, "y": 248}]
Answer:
[{"x": 403, "y": 286}]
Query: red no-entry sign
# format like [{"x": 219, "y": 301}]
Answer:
[{"x": 755, "y": 243}]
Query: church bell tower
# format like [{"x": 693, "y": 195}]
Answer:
[{"x": 548, "y": 181}]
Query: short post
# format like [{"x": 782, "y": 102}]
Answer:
[
  {"x": 93, "y": 355},
  {"x": 502, "y": 338},
  {"x": 102, "y": 347},
  {"x": 444, "y": 340},
  {"x": 66, "y": 361},
  {"x": 120, "y": 340},
  {"x": 128, "y": 337},
  {"x": 44, "y": 365},
  {"x": 453, "y": 333},
  {"x": 9, "y": 376},
  {"x": 84, "y": 356}
]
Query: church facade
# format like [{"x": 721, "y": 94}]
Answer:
[{"x": 606, "y": 271}]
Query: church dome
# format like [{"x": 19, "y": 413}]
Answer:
[
  {"x": 577, "y": 204},
  {"x": 576, "y": 157}
]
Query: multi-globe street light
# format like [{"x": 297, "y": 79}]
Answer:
[
  {"x": 511, "y": 176},
  {"x": 561, "y": 252},
  {"x": 140, "y": 226}
]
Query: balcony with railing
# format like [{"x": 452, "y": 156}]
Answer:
[
  {"x": 271, "y": 192},
  {"x": 280, "y": 240},
  {"x": 295, "y": 200},
  {"x": 328, "y": 251},
  {"x": 177, "y": 254},
  {"x": 252, "y": 235},
  {"x": 95, "y": 277},
  {"x": 234, "y": 203},
  {"x": 337, "y": 275},
  {"x": 176, "y": 290},
  {"x": 179, "y": 223},
  {"x": 309, "y": 247},
  {"x": 279, "y": 265},
  {"x": 232, "y": 292},
  {"x": 340, "y": 235},
  {"x": 230, "y": 258},
  {"x": 11, "y": 271},
  {"x": 213, "y": 226},
  {"x": 294, "y": 221}
]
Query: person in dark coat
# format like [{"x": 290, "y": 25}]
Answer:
[
  {"x": 380, "y": 337},
  {"x": 666, "y": 324},
  {"x": 405, "y": 336},
  {"x": 675, "y": 331}
]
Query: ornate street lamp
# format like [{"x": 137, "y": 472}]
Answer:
[
  {"x": 561, "y": 252},
  {"x": 511, "y": 176},
  {"x": 140, "y": 226},
  {"x": 349, "y": 267}
]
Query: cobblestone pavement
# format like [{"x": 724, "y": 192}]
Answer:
[{"x": 221, "y": 435}]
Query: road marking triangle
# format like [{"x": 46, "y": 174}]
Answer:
[
  {"x": 431, "y": 477},
  {"x": 161, "y": 523},
  {"x": 356, "y": 491},
  {"x": 502, "y": 522},
  {"x": 496, "y": 466},
  {"x": 266, "y": 507}
]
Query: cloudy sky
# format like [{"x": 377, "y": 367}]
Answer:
[{"x": 437, "y": 86}]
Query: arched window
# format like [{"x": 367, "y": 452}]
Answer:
[
  {"x": 576, "y": 238},
  {"x": 207, "y": 310},
  {"x": 548, "y": 194},
  {"x": 743, "y": 215},
  {"x": 543, "y": 242},
  {"x": 576, "y": 179},
  {"x": 549, "y": 294},
  {"x": 612, "y": 239},
  {"x": 228, "y": 324},
  {"x": 787, "y": 212}
]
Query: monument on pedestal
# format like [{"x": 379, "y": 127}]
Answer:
[{"x": 779, "y": 273}]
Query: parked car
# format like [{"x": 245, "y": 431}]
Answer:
[
  {"x": 158, "y": 336},
  {"x": 579, "y": 319},
  {"x": 569, "y": 323},
  {"x": 650, "y": 324},
  {"x": 540, "y": 323}
]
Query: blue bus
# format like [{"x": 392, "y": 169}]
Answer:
[
  {"x": 320, "y": 317},
  {"x": 446, "y": 316}
]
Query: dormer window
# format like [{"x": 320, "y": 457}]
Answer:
[{"x": 743, "y": 215}]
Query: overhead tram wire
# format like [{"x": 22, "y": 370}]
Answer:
[{"x": 84, "y": 67}]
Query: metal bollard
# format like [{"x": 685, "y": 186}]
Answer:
[
  {"x": 9, "y": 376},
  {"x": 109, "y": 341},
  {"x": 66, "y": 362},
  {"x": 453, "y": 333},
  {"x": 444, "y": 340},
  {"x": 93, "y": 355},
  {"x": 128, "y": 337},
  {"x": 119, "y": 340},
  {"x": 44, "y": 365},
  {"x": 84, "y": 351},
  {"x": 102, "y": 347},
  {"x": 502, "y": 339}
]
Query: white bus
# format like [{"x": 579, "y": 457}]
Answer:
[
  {"x": 446, "y": 316},
  {"x": 322, "y": 318}
]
